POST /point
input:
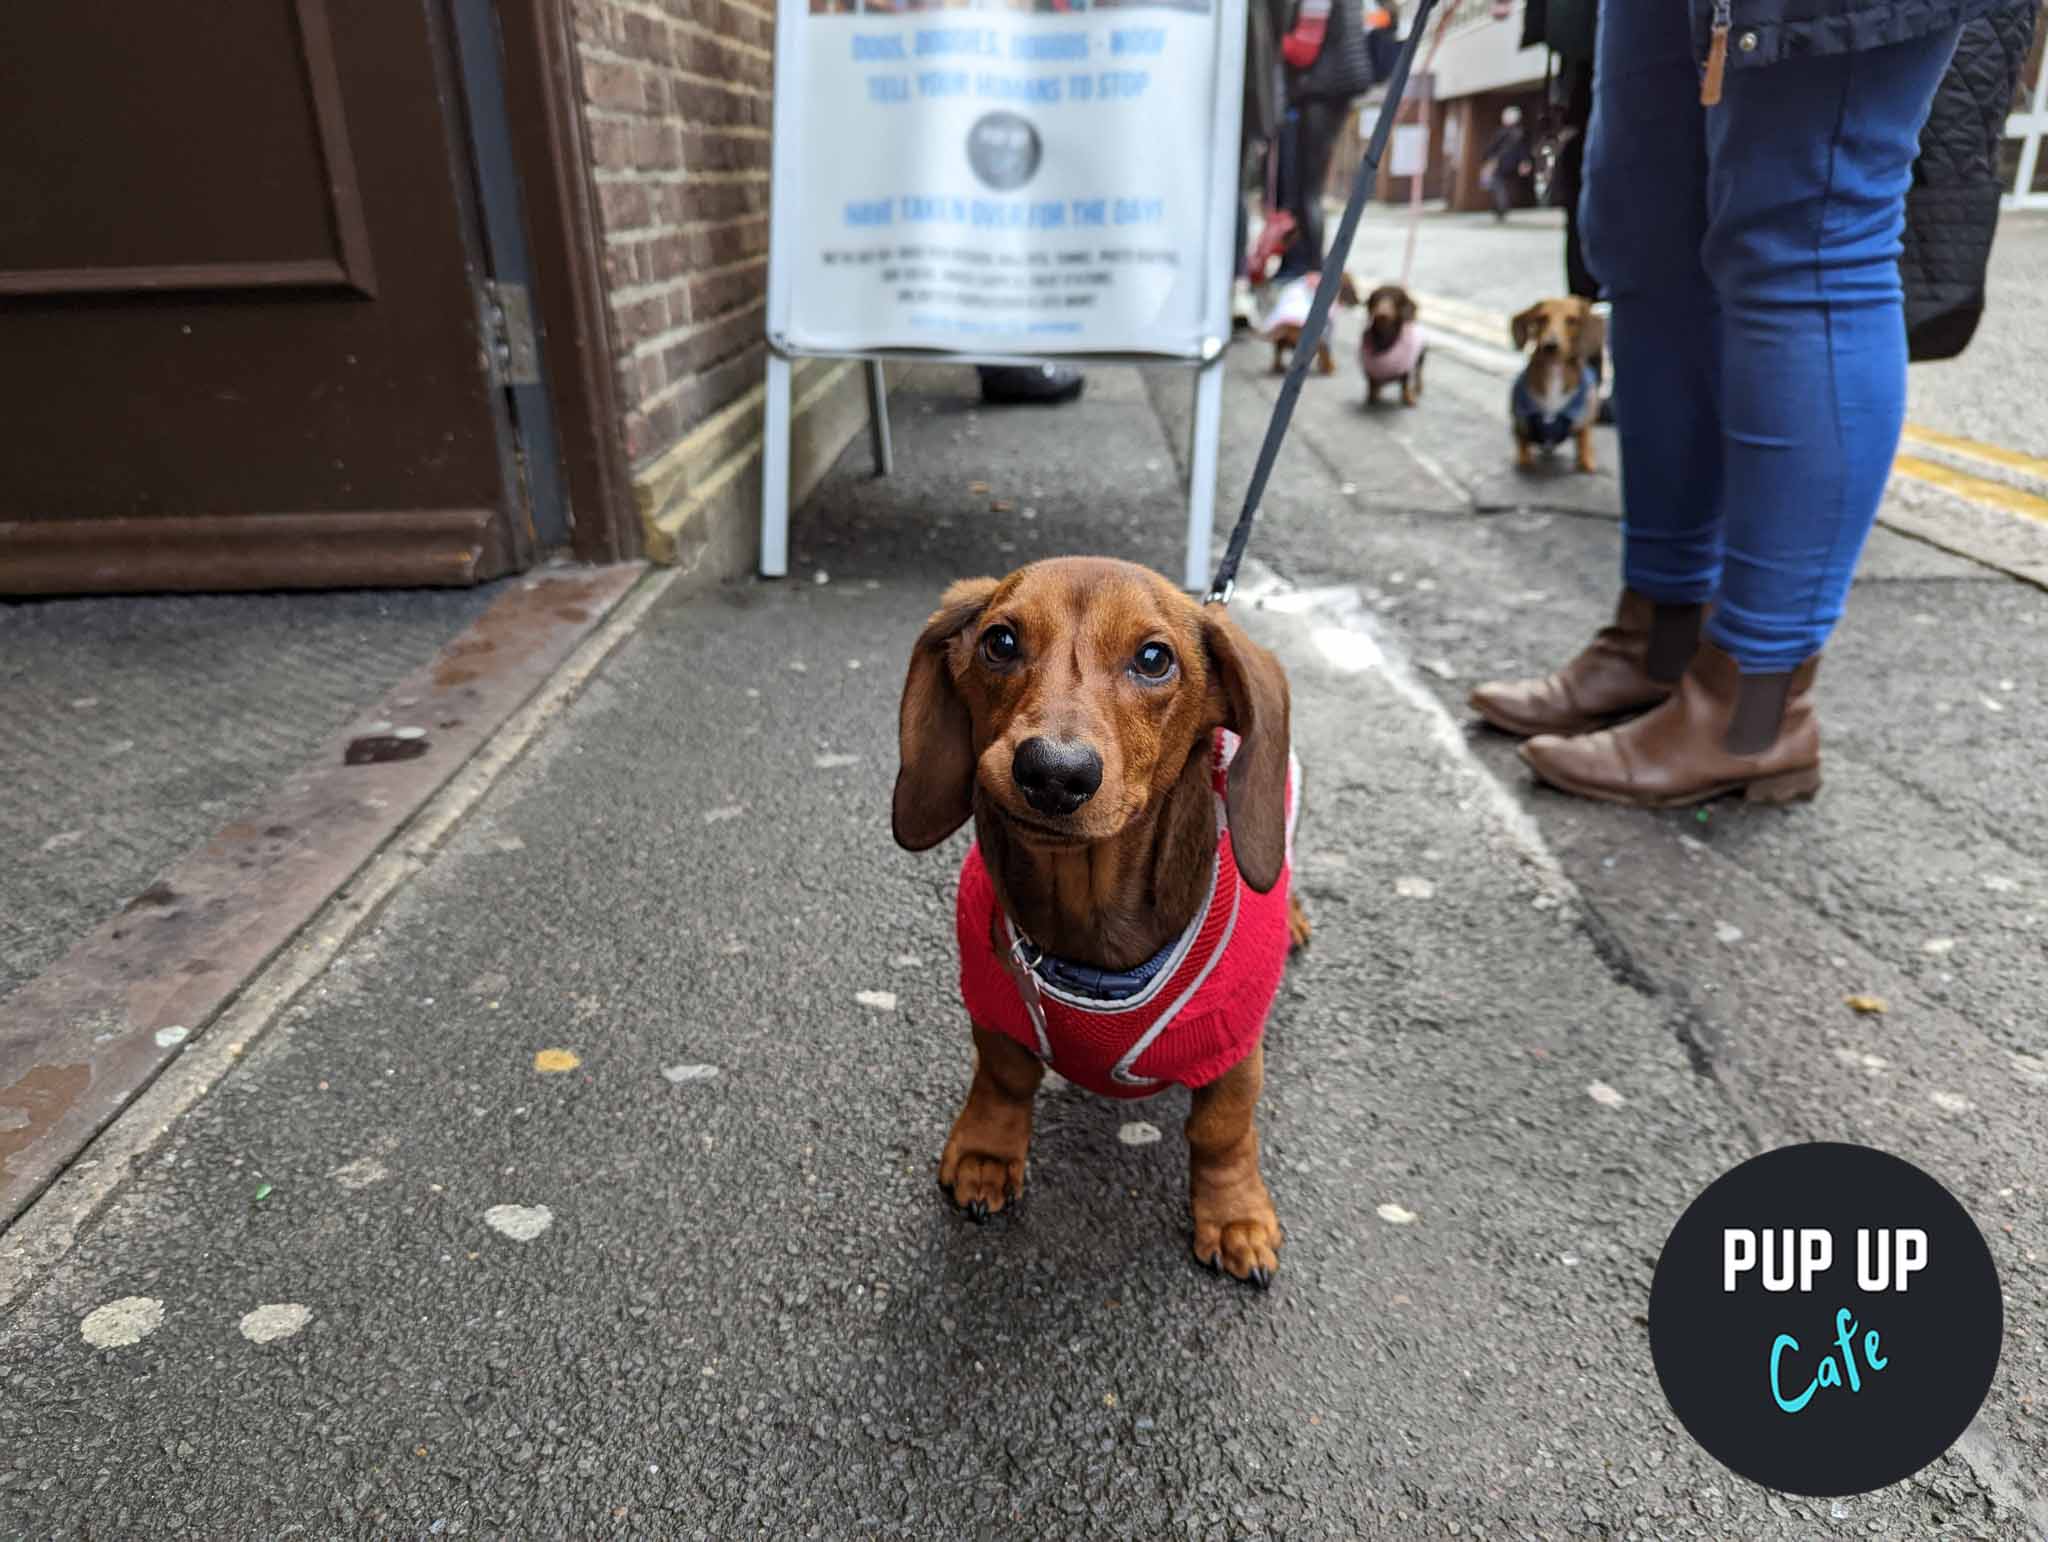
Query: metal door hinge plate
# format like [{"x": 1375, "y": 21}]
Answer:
[{"x": 515, "y": 350}]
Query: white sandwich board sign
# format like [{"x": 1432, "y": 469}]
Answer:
[{"x": 1003, "y": 181}]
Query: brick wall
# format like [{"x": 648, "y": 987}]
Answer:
[{"x": 677, "y": 106}]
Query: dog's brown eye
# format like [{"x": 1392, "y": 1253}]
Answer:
[
  {"x": 1154, "y": 661},
  {"x": 999, "y": 645}
]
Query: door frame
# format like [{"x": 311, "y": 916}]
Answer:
[
  {"x": 550, "y": 148},
  {"x": 496, "y": 205}
]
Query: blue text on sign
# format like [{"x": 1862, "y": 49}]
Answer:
[{"x": 1834, "y": 1366}]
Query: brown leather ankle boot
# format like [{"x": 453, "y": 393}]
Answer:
[
  {"x": 1721, "y": 731},
  {"x": 1630, "y": 665}
]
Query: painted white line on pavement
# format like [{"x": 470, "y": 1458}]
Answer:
[
  {"x": 45, "y": 1231},
  {"x": 1433, "y": 468},
  {"x": 1339, "y": 610}
]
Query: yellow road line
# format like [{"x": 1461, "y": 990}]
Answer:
[
  {"x": 1997, "y": 455},
  {"x": 1472, "y": 332},
  {"x": 1471, "y": 321},
  {"x": 1976, "y": 489}
]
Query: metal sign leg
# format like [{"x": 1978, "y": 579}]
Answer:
[
  {"x": 1208, "y": 433},
  {"x": 775, "y": 471},
  {"x": 878, "y": 419}
]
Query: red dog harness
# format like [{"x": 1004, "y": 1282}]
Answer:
[{"x": 1200, "y": 1013}]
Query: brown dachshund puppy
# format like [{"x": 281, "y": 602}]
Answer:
[
  {"x": 1557, "y": 396},
  {"x": 1126, "y": 909},
  {"x": 1286, "y": 335},
  {"x": 1393, "y": 346}
]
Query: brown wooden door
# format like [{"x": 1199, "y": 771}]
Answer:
[{"x": 242, "y": 333}]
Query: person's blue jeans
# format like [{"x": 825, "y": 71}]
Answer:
[{"x": 1750, "y": 251}]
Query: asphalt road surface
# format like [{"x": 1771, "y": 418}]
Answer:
[{"x": 392, "y": 1278}]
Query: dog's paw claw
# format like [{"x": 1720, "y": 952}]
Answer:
[
  {"x": 1247, "y": 1250},
  {"x": 981, "y": 1184}
]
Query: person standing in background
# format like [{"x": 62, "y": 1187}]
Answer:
[
  {"x": 1568, "y": 29},
  {"x": 1259, "y": 125},
  {"x": 1507, "y": 165},
  {"x": 1328, "y": 65},
  {"x": 1566, "y": 180},
  {"x": 1382, "y": 39}
]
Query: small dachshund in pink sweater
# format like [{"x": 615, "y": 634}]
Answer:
[{"x": 1393, "y": 346}]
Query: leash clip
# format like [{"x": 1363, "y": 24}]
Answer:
[
  {"x": 1222, "y": 593},
  {"x": 1019, "y": 949},
  {"x": 1021, "y": 959}
]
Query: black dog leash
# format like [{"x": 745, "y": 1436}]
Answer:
[{"x": 1225, "y": 584}]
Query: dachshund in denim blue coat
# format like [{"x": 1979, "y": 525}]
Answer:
[{"x": 1557, "y": 395}]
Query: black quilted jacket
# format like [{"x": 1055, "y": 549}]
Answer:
[{"x": 1952, "y": 208}]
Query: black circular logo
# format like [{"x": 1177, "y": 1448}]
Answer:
[
  {"x": 1825, "y": 1319},
  {"x": 1004, "y": 150}
]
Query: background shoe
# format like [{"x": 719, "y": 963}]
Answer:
[
  {"x": 1630, "y": 665},
  {"x": 1010, "y": 385}
]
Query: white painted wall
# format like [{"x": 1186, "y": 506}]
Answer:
[{"x": 1480, "y": 54}]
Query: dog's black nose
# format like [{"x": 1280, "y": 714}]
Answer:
[{"x": 1056, "y": 778}]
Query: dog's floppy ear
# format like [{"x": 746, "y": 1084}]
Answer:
[
  {"x": 1592, "y": 333},
  {"x": 1407, "y": 305},
  {"x": 1527, "y": 325},
  {"x": 1254, "y": 693},
  {"x": 935, "y": 736}
]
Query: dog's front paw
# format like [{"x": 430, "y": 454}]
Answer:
[
  {"x": 1297, "y": 924},
  {"x": 981, "y": 1173},
  {"x": 1236, "y": 1229}
]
